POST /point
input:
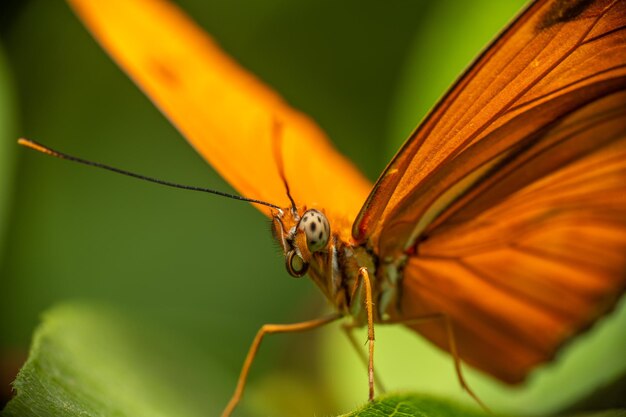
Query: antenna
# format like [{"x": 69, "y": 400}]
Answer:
[
  {"x": 277, "y": 132},
  {"x": 49, "y": 151}
]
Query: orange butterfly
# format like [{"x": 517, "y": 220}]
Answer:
[{"x": 502, "y": 219}]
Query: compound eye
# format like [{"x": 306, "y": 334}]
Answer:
[
  {"x": 296, "y": 266},
  {"x": 316, "y": 228}
]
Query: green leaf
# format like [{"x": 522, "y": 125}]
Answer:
[
  {"x": 409, "y": 405},
  {"x": 405, "y": 405},
  {"x": 93, "y": 361}
]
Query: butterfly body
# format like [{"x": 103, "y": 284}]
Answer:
[{"x": 334, "y": 267}]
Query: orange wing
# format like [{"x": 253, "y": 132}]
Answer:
[
  {"x": 521, "y": 277},
  {"x": 556, "y": 57},
  {"x": 510, "y": 200},
  {"x": 223, "y": 111}
]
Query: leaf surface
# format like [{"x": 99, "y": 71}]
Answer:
[
  {"x": 415, "y": 405},
  {"x": 89, "y": 360}
]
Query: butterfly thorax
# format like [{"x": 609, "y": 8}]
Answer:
[{"x": 312, "y": 248}]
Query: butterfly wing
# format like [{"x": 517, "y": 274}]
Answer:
[
  {"x": 506, "y": 209},
  {"x": 521, "y": 277},
  {"x": 557, "y": 56},
  {"x": 228, "y": 115}
]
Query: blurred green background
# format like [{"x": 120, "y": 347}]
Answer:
[{"x": 204, "y": 269}]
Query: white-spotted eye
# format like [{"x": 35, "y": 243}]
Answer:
[{"x": 316, "y": 228}]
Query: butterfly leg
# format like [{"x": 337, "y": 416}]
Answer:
[
  {"x": 348, "y": 328},
  {"x": 451, "y": 345},
  {"x": 369, "y": 306},
  {"x": 264, "y": 330}
]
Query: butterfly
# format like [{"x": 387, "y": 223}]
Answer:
[{"x": 501, "y": 220}]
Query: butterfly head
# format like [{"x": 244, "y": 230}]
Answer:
[{"x": 300, "y": 235}]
